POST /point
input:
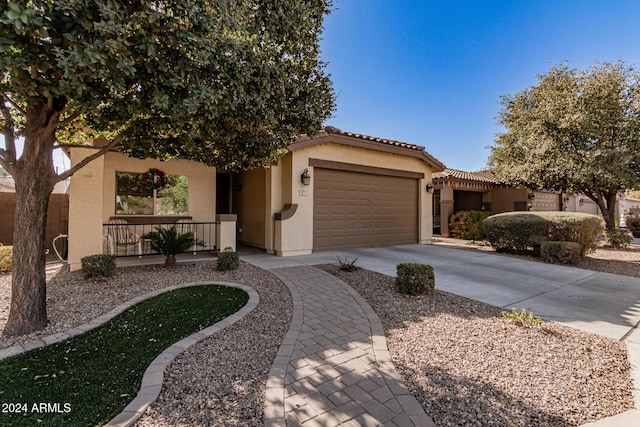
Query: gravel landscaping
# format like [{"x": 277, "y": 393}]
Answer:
[{"x": 466, "y": 364}]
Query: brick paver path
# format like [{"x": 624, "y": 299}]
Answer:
[{"x": 334, "y": 368}]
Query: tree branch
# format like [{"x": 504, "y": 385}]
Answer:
[
  {"x": 85, "y": 161},
  {"x": 4, "y": 163},
  {"x": 71, "y": 118},
  {"x": 9, "y": 153},
  {"x": 16, "y": 106}
]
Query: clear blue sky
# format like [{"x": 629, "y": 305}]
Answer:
[{"x": 431, "y": 72}]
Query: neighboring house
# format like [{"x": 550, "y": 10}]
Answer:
[
  {"x": 57, "y": 214},
  {"x": 457, "y": 190},
  {"x": 332, "y": 191}
]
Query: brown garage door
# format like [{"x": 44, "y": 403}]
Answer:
[{"x": 356, "y": 210}]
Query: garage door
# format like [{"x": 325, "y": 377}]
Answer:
[{"x": 356, "y": 210}]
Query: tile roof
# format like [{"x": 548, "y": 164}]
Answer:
[
  {"x": 480, "y": 176},
  {"x": 428, "y": 158}
]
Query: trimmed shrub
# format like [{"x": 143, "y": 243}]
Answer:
[
  {"x": 521, "y": 232},
  {"x": 619, "y": 238},
  {"x": 98, "y": 265},
  {"x": 414, "y": 279},
  {"x": 633, "y": 224},
  {"x": 561, "y": 252},
  {"x": 6, "y": 258},
  {"x": 468, "y": 225},
  {"x": 228, "y": 260}
]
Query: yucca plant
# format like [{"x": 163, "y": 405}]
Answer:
[{"x": 168, "y": 242}]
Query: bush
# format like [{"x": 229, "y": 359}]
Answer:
[
  {"x": 468, "y": 225},
  {"x": 521, "y": 318},
  {"x": 6, "y": 258},
  {"x": 98, "y": 265},
  {"x": 619, "y": 238},
  {"x": 414, "y": 279},
  {"x": 347, "y": 265},
  {"x": 228, "y": 260},
  {"x": 633, "y": 224},
  {"x": 561, "y": 252},
  {"x": 520, "y": 232}
]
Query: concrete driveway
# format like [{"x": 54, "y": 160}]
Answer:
[{"x": 601, "y": 303}]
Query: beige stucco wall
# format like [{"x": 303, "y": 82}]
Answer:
[
  {"x": 503, "y": 198},
  {"x": 294, "y": 236},
  {"x": 93, "y": 193}
]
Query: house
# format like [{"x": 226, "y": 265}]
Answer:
[
  {"x": 456, "y": 190},
  {"x": 332, "y": 191}
]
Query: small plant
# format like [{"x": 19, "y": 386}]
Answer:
[
  {"x": 228, "y": 260},
  {"x": 98, "y": 265},
  {"x": 521, "y": 318},
  {"x": 561, "y": 252},
  {"x": 347, "y": 265},
  {"x": 619, "y": 238},
  {"x": 415, "y": 279},
  {"x": 633, "y": 224},
  {"x": 168, "y": 242},
  {"x": 6, "y": 258}
]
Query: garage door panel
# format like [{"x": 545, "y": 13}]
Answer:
[{"x": 354, "y": 209}]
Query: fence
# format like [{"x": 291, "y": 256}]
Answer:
[{"x": 125, "y": 239}]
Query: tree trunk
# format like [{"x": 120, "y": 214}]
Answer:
[
  {"x": 170, "y": 260},
  {"x": 33, "y": 176}
]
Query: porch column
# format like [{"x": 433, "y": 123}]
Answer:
[
  {"x": 446, "y": 208},
  {"x": 226, "y": 231}
]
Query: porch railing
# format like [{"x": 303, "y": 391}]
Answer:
[{"x": 125, "y": 239}]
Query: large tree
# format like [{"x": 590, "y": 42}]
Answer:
[
  {"x": 577, "y": 131},
  {"x": 229, "y": 83}
]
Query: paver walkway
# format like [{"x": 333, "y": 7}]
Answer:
[{"x": 334, "y": 368}]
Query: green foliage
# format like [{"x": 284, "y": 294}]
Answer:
[
  {"x": 468, "y": 224},
  {"x": 633, "y": 224},
  {"x": 414, "y": 279},
  {"x": 561, "y": 252},
  {"x": 6, "y": 258},
  {"x": 168, "y": 242},
  {"x": 98, "y": 373},
  {"x": 347, "y": 265},
  {"x": 519, "y": 232},
  {"x": 619, "y": 238},
  {"x": 576, "y": 131},
  {"x": 228, "y": 260},
  {"x": 521, "y": 318},
  {"x": 98, "y": 265}
]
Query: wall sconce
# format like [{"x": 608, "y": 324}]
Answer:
[
  {"x": 305, "y": 177},
  {"x": 429, "y": 187},
  {"x": 581, "y": 202},
  {"x": 566, "y": 199},
  {"x": 532, "y": 196}
]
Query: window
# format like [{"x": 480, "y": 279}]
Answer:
[{"x": 134, "y": 196}]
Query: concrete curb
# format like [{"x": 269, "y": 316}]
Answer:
[{"x": 154, "y": 375}]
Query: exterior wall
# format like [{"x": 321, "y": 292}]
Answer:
[
  {"x": 93, "y": 194},
  {"x": 294, "y": 236},
  {"x": 504, "y": 198},
  {"x": 249, "y": 203}
]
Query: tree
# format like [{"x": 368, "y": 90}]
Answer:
[
  {"x": 229, "y": 83},
  {"x": 576, "y": 131}
]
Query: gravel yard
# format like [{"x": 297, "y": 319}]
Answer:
[
  {"x": 468, "y": 366},
  {"x": 458, "y": 356}
]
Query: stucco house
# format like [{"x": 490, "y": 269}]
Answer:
[{"x": 331, "y": 191}]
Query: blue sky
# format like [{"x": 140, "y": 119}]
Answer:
[{"x": 432, "y": 72}]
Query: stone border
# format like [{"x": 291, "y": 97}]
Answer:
[{"x": 154, "y": 375}]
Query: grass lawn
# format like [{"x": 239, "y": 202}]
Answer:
[{"x": 88, "y": 379}]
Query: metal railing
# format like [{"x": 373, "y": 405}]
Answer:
[{"x": 126, "y": 239}]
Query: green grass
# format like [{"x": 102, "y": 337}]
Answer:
[{"x": 98, "y": 373}]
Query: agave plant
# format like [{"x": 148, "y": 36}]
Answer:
[{"x": 168, "y": 242}]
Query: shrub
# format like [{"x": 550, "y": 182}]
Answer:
[
  {"x": 468, "y": 225},
  {"x": 347, "y": 265},
  {"x": 98, "y": 265},
  {"x": 561, "y": 252},
  {"x": 519, "y": 232},
  {"x": 619, "y": 238},
  {"x": 414, "y": 279},
  {"x": 168, "y": 242},
  {"x": 6, "y": 258},
  {"x": 521, "y": 318},
  {"x": 228, "y": 260},
  {"x": 633, "y": 224}
]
